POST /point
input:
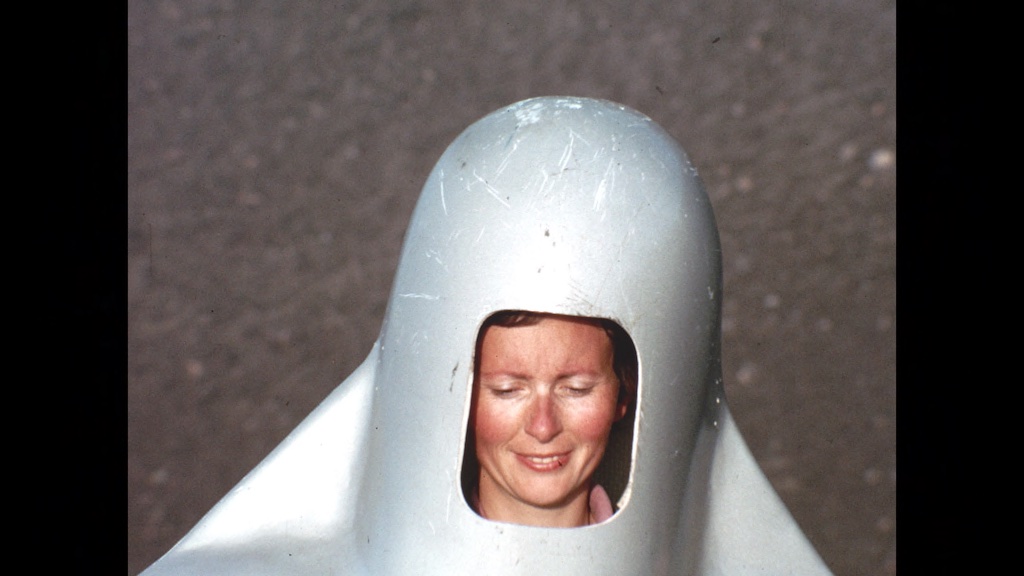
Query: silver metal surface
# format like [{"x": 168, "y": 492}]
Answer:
[{"x": 563, "y": 205}]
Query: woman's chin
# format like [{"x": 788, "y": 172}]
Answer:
[{"x": 551, "y": 496}]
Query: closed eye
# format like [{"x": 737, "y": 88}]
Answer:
[
  {"x": 503, "y": 388},
  {"x": 503, "y": 392},
  {"x": 578, "y": 389}
]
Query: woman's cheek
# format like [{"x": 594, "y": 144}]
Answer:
[
  {"x": 494, "y": 422},
  {"x": 594, "y": 422}
]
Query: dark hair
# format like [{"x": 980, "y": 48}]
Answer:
[{"x": 624, "y": 361}]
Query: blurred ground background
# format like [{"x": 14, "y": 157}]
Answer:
[{"x": 276, "y": 149}]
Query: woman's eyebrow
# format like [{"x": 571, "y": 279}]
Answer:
[
  {"x": 504, "y": 373},
  {"x": 587, "y": 378}
]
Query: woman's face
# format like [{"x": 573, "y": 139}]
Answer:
[{"x": 545, "y": 399}]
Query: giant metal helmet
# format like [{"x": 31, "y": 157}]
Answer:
[{"x": 569, "y": 206}]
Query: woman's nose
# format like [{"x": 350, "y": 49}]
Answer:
[{"x": 543, "y": 422}]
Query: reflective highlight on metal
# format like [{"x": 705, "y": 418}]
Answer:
[{"x": 563, "y": 205}]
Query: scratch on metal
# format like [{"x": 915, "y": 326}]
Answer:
[
  {"x": 420, "y": 296},
  {"x": 602, "y": 188},
  {"x": 576, "y": 135},
  {"x": 504, "y": 162},
  {"x": 564, "y": 160},
  {"x": 491, "y": 190},
  {"x": 441, "y": 180},
  {"x": 435, "y": 256}
]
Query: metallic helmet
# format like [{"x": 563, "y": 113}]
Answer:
[{"x": 570, "y": 206}]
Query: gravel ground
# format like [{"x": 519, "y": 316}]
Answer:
[{"x": 275, "y": 151}]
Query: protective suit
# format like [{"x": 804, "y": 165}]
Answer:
[{"x": 561, "y": 205}]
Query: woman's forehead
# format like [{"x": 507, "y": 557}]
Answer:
[
  {"x": 583, "y": 345},
  {"x": 567, "y": 331}
]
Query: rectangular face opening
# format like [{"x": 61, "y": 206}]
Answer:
[{"x": 549, "y": 439}]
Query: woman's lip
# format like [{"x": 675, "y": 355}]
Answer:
[{"x": 543, "y": 462}]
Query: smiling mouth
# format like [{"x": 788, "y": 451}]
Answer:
[{"x": 544, "y": 463}]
